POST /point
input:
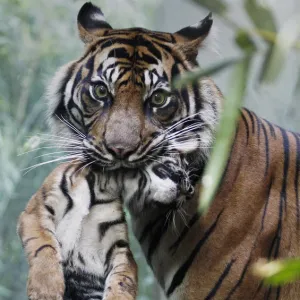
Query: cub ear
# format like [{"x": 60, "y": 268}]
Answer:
[
  {"x": 91, "y": 23},
  {"x": 189, "y": 39}
]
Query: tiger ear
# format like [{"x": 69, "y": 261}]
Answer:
[
  {"x": 189, "y": 39},
  {"x": 91, "y": 23}
]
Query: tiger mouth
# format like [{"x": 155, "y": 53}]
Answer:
[
  {"x": 109, "y": 162},
  {"x": 119, "y": 164}
]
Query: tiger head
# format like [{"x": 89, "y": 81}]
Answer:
[{"x": 116, "y": 103}]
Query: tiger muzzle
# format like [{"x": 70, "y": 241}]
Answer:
[{"x": 122, "y": 136}]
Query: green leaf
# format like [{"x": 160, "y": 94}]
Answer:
[
  {"x": 225, "y": 134},
  {"x": 260, "y": 15},
  {"x": 277, "y": 55},
  {"x": 278, "y": 272},
  {"x": 216, "y": 6},
  {"x": 263, "y": 19},
  {"x": 191, "y": 77},
  {"x": 244, "y": 41}
]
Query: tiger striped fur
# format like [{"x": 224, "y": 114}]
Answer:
[{"x": 118, "y": 95}]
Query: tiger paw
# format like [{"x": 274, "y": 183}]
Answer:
[{"x": 45, "y": 282}]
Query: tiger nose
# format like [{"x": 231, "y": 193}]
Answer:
[{"x": 120, "y": 151}]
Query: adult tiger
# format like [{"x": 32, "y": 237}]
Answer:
[{"x": 118, "y": 94}]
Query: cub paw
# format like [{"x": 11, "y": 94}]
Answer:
[
  {"x": 121, "y": 287},
  {"x": 45, "y": 282}
]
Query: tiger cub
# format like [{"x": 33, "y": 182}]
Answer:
[
  {"x": 165, "y": 182},
  {"x": 75, "y": 236}
]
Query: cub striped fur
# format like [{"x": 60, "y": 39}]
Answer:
[{"x": 75, "y": 236}]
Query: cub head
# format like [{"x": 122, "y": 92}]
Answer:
[{"x": 116, "y": 104}]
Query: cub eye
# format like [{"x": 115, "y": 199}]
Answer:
[
  {"x": 100, "y": 91},
  {"x": 158, "y": 99}
]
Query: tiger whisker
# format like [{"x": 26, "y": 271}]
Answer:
[
  {"x": 79, "y": 133},
  {"x": 58, "y": 140},
  {"x": 53, "y": 147},
  {"x": 84, "y": 166},
  {"x": 57, "y": 152},
  {"x": 61, "y": 137},
  {"x": 187, "y": 118},
  {"x": 63, "y": 120},
  {"x": 67, "y": 157}
]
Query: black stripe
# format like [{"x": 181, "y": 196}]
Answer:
[
  {"x": 161, "y": 228},
  {"x": 219, "y": 282},
  {"x": 81, "y": 259},
  {"x": 246, "y": 125},
  {"x": 197, "y": 97},
  {"x": 78, "y": 77},
  {"x": 164, "y": 47},
  {"x": 43, "y": 247},
  {"x": 239, "y": 282},
  {"x": 50, "y": 209},
  {"x": 286, "y": 148},
  {"x": 296, "y": 180},
  {"x": 147, "y": 229},
  {"x": 251, "y": 118},
  {"x": 267, "y": 148},
  {"x": 258, "y": 122},
  {"x": 111, "y": 74},
  {"x": 90, "y": 66},
  {"x": 181, "y": 272},
  {"x": 110, "y": 42},
  {"x": 278, "y": 290},
  {"x": 103, "y": 227},
  {"x": 64, "y": 189},
  {"x": 274, "y": 249},
  {"x": 258, "y": 289},
  {"x": 60, "y": 109},
  {"x": 100, "y": 202},
  {"x": 109, "y": 253},
  {"x": 174, "y": 72},
  {"x": 91, "y": 183},
  {"x": 118, "y": 53},
  {"x": 71, "y": 106},
  {"x": 184, "y": 232},
  {"x": 185, "y": 97},
  {"x": 25, "y": 243},
  {"x": 272, "y": 130},
  {"x": 152, "y": 49},
  {"x": 121, "y": 73},
  {"x": 268, "y": 293}
]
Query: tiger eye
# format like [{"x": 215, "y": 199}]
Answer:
[
  {"x": 158, "y": 99},
  {"x": 100, "y": 91}
]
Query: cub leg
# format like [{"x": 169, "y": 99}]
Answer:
[
  {"x": 36, "y": 228},
  {"x": 121, "y": 281}
]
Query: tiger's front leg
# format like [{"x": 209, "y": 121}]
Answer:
[
  {"x": 121, "y": 281},
  {"x": 36, "y": 228}
]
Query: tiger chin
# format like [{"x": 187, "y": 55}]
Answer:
[{"x": 116, "y": 109}]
